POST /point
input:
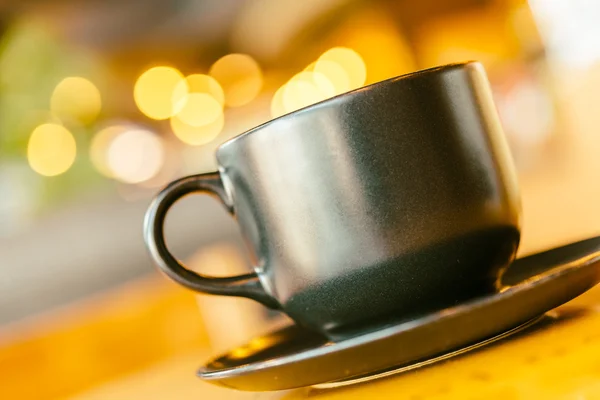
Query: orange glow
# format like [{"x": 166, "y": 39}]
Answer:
[
  {"x": 475, "y": 35},
  {"x": 374, "y": 34}
]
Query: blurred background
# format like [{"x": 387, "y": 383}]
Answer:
[{"x": 104, "y": 102}]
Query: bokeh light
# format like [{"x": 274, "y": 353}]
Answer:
[
  {"x": 527, "y": 114},
  {"x": 322, "y": 82},
  {"x": 76, "y": 98},
  {"x": 154, "y": 91},
  {"x": 240, "y": 76},
  {"x": 376, "y": 35},
  {"x": 335, "y": 73},
  {"x": 277, "y": 107},
  {"x": 197, "y": 83},
  {"x": 351, "y": 62},
  {"x": 197, "y": 135},
  {"x": 51, "y": 149},
  {"x": 298, "y": 94},
  {"x": 304, "y": 89},
  {"x": 310, "y": 67},
  {"x": 135, "y": 155},
  {"x": 199, "y": 109},
  {"x": 99, "y": 148}
]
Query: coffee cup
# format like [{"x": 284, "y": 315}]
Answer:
[{"x": 386, "y": 202}]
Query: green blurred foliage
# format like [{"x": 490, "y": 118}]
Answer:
[{"x": 32, "y": 62}]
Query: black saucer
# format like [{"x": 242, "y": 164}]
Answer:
[{"x": 293, "y": 357}]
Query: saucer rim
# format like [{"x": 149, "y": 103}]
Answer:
[
  {"x": 435, "y": 359},
  {"x": 333, "y": 347},
  {"x": 570, "y": 272}
]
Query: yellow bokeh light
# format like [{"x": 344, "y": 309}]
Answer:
[
  {"x": 374, "y": 34},
  {"x": 76, "y": 98},
  {"x": 99, "y": 148},
  {"x": 298, "y": 94},
  {"x": 310, "y": 67},
  {"x": 197, "y": 83},
  {"x": 240, "y": 76},
  {"x": 51, "y": 149},
  {"x": 277, "y": 107},
  {"x": 336, "y": 75},
  {"x": 350, "y": 61},
  {"x": 197, "y": 135},
  {"x": 135, "y": 155},
  {"x": 304, "y": 89},
  {"x": 154, "y": 91},
  {"x": 323, "y": 83},
  {"x": 199, "y": 109}
]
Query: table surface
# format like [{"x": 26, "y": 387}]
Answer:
[{"x": 550, "y": 360}]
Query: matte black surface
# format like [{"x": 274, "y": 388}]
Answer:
[
  {"x": 389, "y": 201},
  {"x": 295, "y": 357}
]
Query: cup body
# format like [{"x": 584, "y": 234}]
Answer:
[{"x": 386, "y": 202}]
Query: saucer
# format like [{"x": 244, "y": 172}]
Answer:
[{"x": 294, "y": 357}]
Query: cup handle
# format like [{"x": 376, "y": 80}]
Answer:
[{"x": 243, "y": 285}]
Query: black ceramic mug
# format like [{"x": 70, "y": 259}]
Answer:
[{"x": 389, "y": 201}]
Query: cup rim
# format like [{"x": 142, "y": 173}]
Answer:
[{"x": 437, "y": 69}]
